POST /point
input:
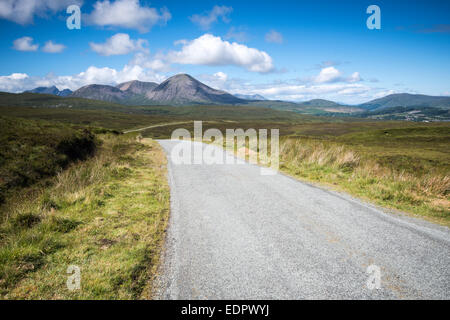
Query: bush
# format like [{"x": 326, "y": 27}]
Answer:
[
  {"x": 78, "y": 147},
  {"x": 26, "y": 220}
]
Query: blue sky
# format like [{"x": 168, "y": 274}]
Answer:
[{"x": 291, "y": 50}]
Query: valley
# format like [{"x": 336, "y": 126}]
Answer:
[{"x": 184, "y": 90}]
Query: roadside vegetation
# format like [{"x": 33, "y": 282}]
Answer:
[
  {"x": 105, "y": 212},
  {"x": 404, "y": 169}
]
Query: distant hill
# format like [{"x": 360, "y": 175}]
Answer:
[
  {"x": 51, "y": 90},
  {"x": 100, "y": 92},
  {"x": 320, "y": 103},
  {"x": 407, "y": 113},
  {"x": 137, "y": 87},
  {"x": 250, "y": 96},
  {"x": 183, "y": 89},
  {"x": 319, "y": 106},
  {"x": 407, "y": 100}
]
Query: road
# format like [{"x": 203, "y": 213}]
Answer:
[
  {"x": 157, "y": 126},
  {"x": 235, "y": 234}
]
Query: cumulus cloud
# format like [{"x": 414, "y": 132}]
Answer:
[
  {"x": 328, "y": 74},
  {"x": 25, "y": 44},
  {"x": 18, "y": 82},
  {"x": 274, "y": 37},
  {"x": 23, "y": 11},
  {"x": 348, "y": 92},
  {"x": 127, "y": 14},
  {"x": 12, "y": 82},
  {"x": 355, "y": 77},
  {"x": 221, "y": 76},
  {"x": 331, "y": 74},
  {"x": 52, "y": 47},
  {"x": 207, "y": 19},
  {"x": 157, "y": 62},
  {"x": 118, "y": 44},
  {"x": 213, "y": 51}
]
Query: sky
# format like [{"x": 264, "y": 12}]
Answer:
[{"x": 286, "y": 49}]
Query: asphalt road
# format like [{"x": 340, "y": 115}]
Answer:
[{"x": 235, "y": 234}]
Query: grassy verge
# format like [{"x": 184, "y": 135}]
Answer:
[
  {"x": 424, "y": 193},
  {"x": 106, "y": 215}
]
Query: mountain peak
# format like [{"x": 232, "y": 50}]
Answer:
[
  {"x": 137, "y": 87},
  {"x": 50, "y": 90},
  {"x": 184, "y": 89},
  {"x": 100, "y": 92}
]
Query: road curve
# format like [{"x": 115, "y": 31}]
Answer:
[{"x": 236, "y": 234}]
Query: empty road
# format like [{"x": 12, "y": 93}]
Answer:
[{"x": 236, "y": 234}]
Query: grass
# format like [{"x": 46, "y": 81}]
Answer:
[
  {"x": 34, "y": 150},
  {"x": 423, "y": 193},
  {"x": 106, "y": 214}
]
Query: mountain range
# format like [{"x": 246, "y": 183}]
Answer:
[
  {"x": 51, "y": 90},
  {"x": 182, "y": 89}
]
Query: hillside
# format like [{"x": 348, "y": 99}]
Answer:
[
  {"x": 137, "y": 87},
  {"x": 407, "y": 100},
  {"x": 249, "y": 96},
  {"x": 184, "y": 89},
  {"x": 100, "y": 92}
]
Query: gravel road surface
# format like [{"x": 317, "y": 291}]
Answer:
[{"x": 236, "y": 234}]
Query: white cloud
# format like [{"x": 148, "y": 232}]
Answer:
[
  {"x": 206, "y": 20},
  {"x": 329, "y": 74},
  {"x": 383, "y": 93},
  {"x": 347, "y": 92},
  {"x": 18, "y": 82},
  {"x": 127, "y": 14},
  {"x": 12, "y": 82},
  {"x": 213, "y": 51},
  {"x": 156, "y": 62},
  {"x": 221, "y": 76},
  {"x": 25, "y": 44},
  {"x": 118, "y": 44},
  {"x": 274, "y": 37},
  {"x": 51, "y": 47},
  {"x": 355, "y": 77},
  {"x": 23, "y": 11}
]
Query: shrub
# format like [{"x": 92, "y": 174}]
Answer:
[{"x": 25, "y": 220}]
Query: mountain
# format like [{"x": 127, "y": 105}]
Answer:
[
  {"x": 137, "y": 87},
  {"x": 250, "y": 96},
  {"x": 407, "y": 100},
  {"x": 320, "y": 103},
  {"x": 426, "y": 114},
  {"x": 320, "y": 106},
  {"x": 183, "y": 89},
  {"x": 50, "y": 90},
  {"x": 101, "y": 92}
]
